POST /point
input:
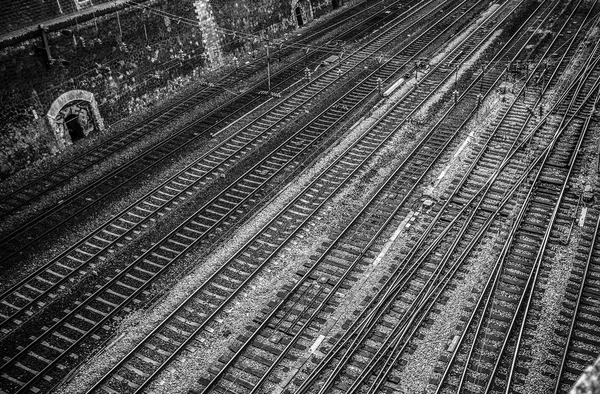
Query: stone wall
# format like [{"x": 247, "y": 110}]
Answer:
[{"x": 128, "y": 57}]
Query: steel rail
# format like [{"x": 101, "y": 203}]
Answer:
[
  {"x": 564, "y": 96},
  {"x": 544, "y": 156},
  {"x": 427, "y": 301},
  {"x": 530, "y": 282},
  {"x": 533, "y": 279},
  {"x": 382, "y": 227}
]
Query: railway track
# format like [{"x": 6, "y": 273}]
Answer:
[
  {"x": 520, "y": 269},
  {"x": 555, "y": 184},
  {"x": 106, "y": 316},
  {"x": 41, "y": 185},
  {"x": 504, "y": 197},
  {"x": 578, "y": 345},
  {"x": 14, "y": 245}
]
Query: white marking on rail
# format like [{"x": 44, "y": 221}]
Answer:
[
  {"x": 464, "y": 145},
  {"x": 582, "y": 217},
  {"x": 317, "y": 343},
  {"x": 453, "y": 344},
  {"x": 389, "y": 243},
  {"x": 443, "y": 173},
  {"x": 393, "y": 87},
  {"x": 458, "y": 152}
]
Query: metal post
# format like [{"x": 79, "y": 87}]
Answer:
[
  {"x": 268, "y": 69},
  {"x": 43, "y": 31},
  {"x": 456, "y": 76},
  {"x": 306, "y": 57},
  {"x": 481, "y": 79},
  {"x": 598, "y": 159}
]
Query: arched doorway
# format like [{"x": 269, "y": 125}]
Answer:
[
  {"x": 299, "y": 16},
  {"x": 75, "y": 120},
  {"x": 337, "y": 3},
  {"x": 73, "y": 116},
  {"x": 74, "y": 127}
]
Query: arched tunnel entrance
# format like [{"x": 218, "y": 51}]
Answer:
[
  {"x": 73, "y": 116},
  {"x": 299, "y": 16},
  {"x": 75, "y": 129}
]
